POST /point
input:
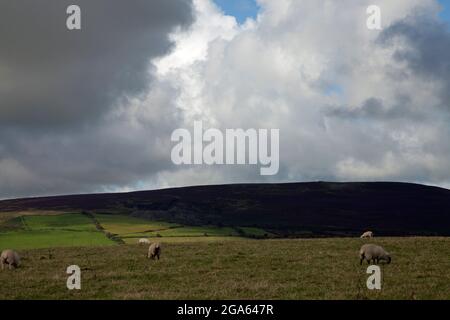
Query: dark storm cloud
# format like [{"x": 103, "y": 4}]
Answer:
[
  {"x": 61, "y": 128},
  {"x": 371, "y": 108},
  {"x": 129, "y": 146},
  {"x": 376, "y": 109},
  {"x": 427, "y": 53},
  {"x": 51, "y": 77}
]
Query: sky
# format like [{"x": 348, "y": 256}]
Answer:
[
  {"x": 445, "y": 14},
  {"x": 240, "y": 9},
  {"x": 94, "y": 110},
  {"x": 243, "y": 9}
]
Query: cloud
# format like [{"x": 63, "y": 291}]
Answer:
[
  {"x": 52, "y": 77},
  {"x": 76, "y": 114},
  {"x": 350, "y": 103},
  {"x": 418, "y": 34},
  {"x": 277, "y": 71}
]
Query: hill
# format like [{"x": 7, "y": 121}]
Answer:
[{"x": 293, "y": 209}]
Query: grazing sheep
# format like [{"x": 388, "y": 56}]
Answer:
[
  {"x": 372, "y": 252},
  {"x": 154, "y": 250},
  {"x": 143, "y": 241},
  {"x": 11, "y": 258},
  {"x": 367, "y": 234}
]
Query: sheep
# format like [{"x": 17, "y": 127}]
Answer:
[
  {"x": 11, "y": 258},
  {"x": 372, "y": 252},
  {"x": 367, "y": 234},
  {"x": 143, "y": 241},
  {"x": 154, "y": 250}
]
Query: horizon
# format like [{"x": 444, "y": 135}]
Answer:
[{"x": 224, "y": 184}]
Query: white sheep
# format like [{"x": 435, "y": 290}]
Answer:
[
  {"x": 154, "y": 250},
  {"x": 11, "y": 258},
  {"x": 372, "y": 252},
  {"x": 143, "y": 241},
  {"x": 367, "y": 234}
]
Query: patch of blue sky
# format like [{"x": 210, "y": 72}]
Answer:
[
  {"x": 334, "y": 89},
  {"x": 445, "y": 13},
  {"x": 240, "y": 9}
]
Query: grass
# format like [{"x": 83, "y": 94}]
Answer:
[
  {"x": 73, "y": 229},
  {"x": 235, "y": 269},
  {"x": 69, "y": 222},
  {"x": 254, "y": 231},
  {"x": 5, "y": 216},
  {"x": 221, "y": 265},
  {"x": 130, "y": 228},
  {"x": 188, "y": 239},
  {"x": 123, "y": 225},
  {"x": 195, "y": 232},
  {"x": 44, "y": 231},
  {"x": 50, "y": 239}
]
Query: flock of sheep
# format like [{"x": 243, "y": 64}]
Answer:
[
  {"x": 12, "y": 259},
  {"x": 369, "y": 252}
]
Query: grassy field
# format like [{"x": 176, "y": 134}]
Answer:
[
  {"x": 44, "y": 231},
  {"x": 206, "y": 262},
  {"x": 235, "y": 269},
  {"x": 75, "y": 229},
  {"x": 125, "y": 225},
  {"x": 130, "y": 229},
  {"x": 195, "y": 232}
]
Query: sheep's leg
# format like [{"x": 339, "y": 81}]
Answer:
[
  {"x": 361, "y": 261},
  {"x": 3, "y": 266}
]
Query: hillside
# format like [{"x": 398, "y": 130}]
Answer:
[{"x": 294, "y": 209}]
